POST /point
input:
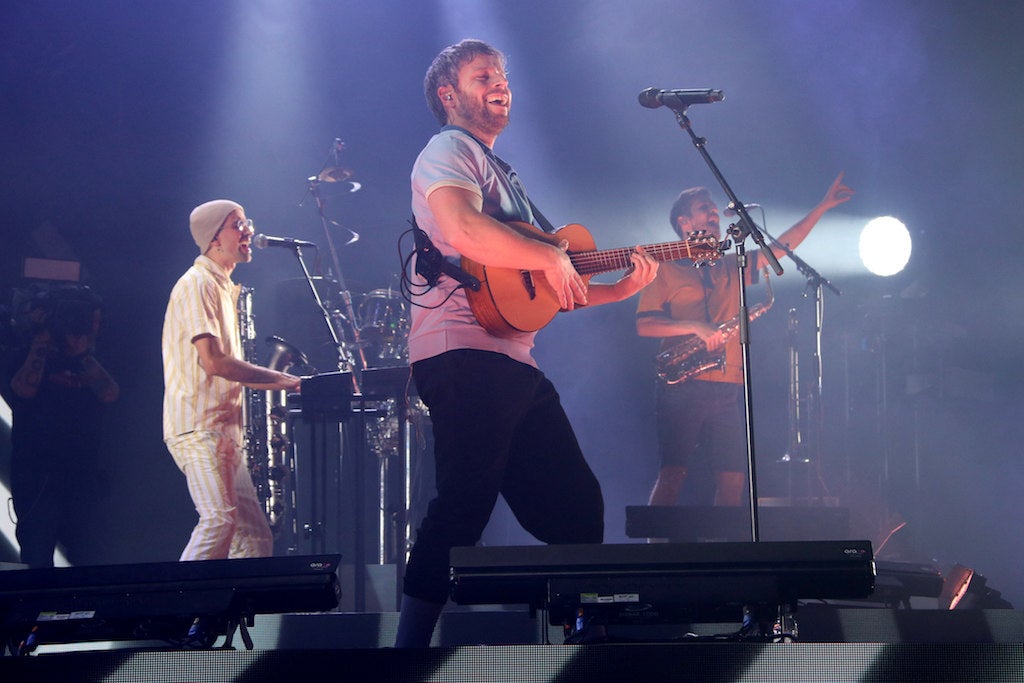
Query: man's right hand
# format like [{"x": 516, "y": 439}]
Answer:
[
  {"x": 568, "y": 284},
  {"x": 712, "y": 337},
  {"x": 291, "y": 383}
]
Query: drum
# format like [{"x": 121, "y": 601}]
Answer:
[{"x": 384, "y": 325}]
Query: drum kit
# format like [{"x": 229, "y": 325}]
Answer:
[
  {"x": 376, "y": 336},
  {"x": 368, "y": 330},
  {"x": 383, "y": 321}
]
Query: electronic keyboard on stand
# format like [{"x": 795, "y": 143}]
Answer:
[
  {"x": 382, "y": 398},
  {"x": 332, "y": 396}
]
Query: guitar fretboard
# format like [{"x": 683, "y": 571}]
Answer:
[{"x": 700, "y": 250}]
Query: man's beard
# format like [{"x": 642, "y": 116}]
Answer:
[{"x": 482, "y": 118}]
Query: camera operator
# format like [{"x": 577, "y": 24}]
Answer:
[{"x": 57, "y": 391}]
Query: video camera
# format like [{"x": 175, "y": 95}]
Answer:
[{"x": 61, "y": 308}]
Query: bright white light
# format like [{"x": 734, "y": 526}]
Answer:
[{"x": 885, "y": 246}]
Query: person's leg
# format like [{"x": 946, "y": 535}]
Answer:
[
  {"x": 668, "y": 485},
  {"x": 36, "y": 530},
  {"x": 548, "y": 484},
  {"x": 475, "y": 401},
  {"x": 728, "y": 444},
  {"x": 209, "y": 484},
  {"x": 679, "y": 416},
  {"x": 253, "y": 537},
  {"x": 730, "y": 487},
  {"x": 416, "y": 621}
]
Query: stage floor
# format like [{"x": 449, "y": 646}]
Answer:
[
  {"x": 835, "y": 644},
  {"x": 819, "y": 662}
]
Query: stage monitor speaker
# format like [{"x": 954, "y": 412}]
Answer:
[
  {"x": 661, "y": 582},
  {"x": 695, "y": 523},
  {"x": 158, "y": 601},
  {"x": 898, "y": 583}
]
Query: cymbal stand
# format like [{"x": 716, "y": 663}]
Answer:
[
  {"x": 738, "y": 232},
  {"x": 333, "y": 174}
]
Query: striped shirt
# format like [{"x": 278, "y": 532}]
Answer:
[{"x": 202, "y": 302}]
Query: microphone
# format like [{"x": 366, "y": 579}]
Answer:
[
  {"x": 262, "y": 241},
  {"x": 652, "y": 98},
  {"x": 748, "y": 207}
]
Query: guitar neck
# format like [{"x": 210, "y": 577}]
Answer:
[{"x": 608, "y": 260}]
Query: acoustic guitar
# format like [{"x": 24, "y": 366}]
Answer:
[{"x": 511, "y": 300}]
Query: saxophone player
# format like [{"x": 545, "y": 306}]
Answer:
[
  {"x": 204, "y": 373},
  {"x": 703, "y": 416}
]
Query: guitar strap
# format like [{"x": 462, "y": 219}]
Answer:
[
  {"x": 513, "y": 180},
  {"x": 545, "y": 224},
  {"x": 430, "y": 264}
]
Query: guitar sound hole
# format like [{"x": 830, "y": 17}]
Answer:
[{"x": 528, "y": 284}]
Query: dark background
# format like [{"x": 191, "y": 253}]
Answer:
[{"x": 118, "y": 117}]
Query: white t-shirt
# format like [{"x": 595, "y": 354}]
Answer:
[{"x": 453, "y": 158}]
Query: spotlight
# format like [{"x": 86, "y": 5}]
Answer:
[
  {"x": 964, "y": 588},
  {"x": 885, "y": 246}
]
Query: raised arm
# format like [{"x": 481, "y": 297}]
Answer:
[{"x": 837, "y": 194}]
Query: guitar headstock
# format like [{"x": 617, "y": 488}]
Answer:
[{"x": 706, "y": 247}]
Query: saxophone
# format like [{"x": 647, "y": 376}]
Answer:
[
  {"x": 266, "y": 437},
  {"x": 254, "y": 403},
  {"x": 279, "y": 500},
  {"x": 690, "y": 357}
]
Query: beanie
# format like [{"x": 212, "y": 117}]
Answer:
[{"x": 206, "y": 219}]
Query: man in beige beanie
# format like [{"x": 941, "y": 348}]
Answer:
[{"x": 204, "y": 372}]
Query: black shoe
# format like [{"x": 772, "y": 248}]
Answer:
[{"x": 202, "y": 634}]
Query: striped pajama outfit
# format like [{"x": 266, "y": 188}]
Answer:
[{"x": 202, "y": 419}]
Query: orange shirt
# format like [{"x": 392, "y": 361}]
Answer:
[{"x": 707, "y": 294}]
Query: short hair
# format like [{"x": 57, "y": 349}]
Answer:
[
  {"x": 684, "y": 202},
  {"x": 444, "y": 70}
]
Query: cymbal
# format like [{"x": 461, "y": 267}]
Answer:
[{"x": 334, "y": 174}]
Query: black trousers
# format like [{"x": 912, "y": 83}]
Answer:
[
  {"x": 53, "y": 500},
  {"x": 499, "y": 427},
  {"x": 702, "y": 419}
]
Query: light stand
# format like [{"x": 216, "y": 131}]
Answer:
[{"x": 815, "y": 282}]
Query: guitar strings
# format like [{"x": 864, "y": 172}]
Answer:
[{"x": 589, "y": 262}]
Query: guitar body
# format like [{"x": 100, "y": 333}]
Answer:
[{"x": 511, "y": 301}]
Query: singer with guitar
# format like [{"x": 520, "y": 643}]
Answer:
[
  {"x": 703, "y": 415},
  {"x": 499, "y": 427}
]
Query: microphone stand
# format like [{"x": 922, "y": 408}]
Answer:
[
  {"x": 738, "y": 231},
  {"x": 346, "y": 296},
  {"x": 816, "y": 282},
  {"x": 339, "y": 343}
]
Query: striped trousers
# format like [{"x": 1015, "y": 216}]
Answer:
[{"x": 231, "y": 520}]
